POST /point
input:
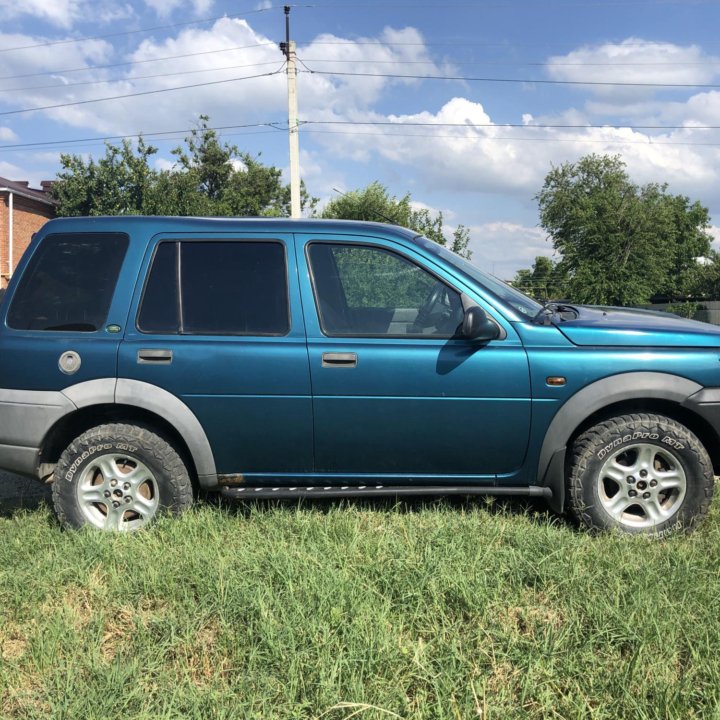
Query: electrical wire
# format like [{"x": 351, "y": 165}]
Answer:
[
  {"x": 106, "y": 138},
  {"x": 524, "y": 81},
  {"x": 136, "y": 62},
  {"x": 122, "y": 33},
  {"x": 138, "y": 94},
  {"x": 133, "y": 78},
  {"x": 708, "y": 63},
  {"x": 469, "y": 125},
  {"x": 482, "y": 138}
]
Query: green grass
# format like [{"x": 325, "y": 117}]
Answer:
[{"x": 427, "y": 610}]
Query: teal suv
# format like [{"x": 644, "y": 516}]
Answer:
[{"x": 143, "y": 359}]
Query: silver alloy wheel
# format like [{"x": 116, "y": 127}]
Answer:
[
  {"x": 117, "y": 492},
  {"x": 642, "y": 485}
]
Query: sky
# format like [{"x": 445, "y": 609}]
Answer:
[{"x": 500, "y": 92}]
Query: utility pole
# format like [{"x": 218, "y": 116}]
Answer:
[{"x": 288, "y": 48}]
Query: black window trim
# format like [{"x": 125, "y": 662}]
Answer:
[
  {"x": 392, "y": 251},
  {"x": 178, "y": 264},
  {"x": 80, "y": 333}
]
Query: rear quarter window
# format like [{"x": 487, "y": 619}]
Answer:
[{"x": 69, "y": 283}]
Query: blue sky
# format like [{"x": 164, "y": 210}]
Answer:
[{"x": 476, "y": 150}]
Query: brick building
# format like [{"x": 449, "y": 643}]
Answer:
[{"x": 23, "y": 211}]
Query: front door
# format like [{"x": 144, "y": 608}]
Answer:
[{"x": 395, "y": 392}]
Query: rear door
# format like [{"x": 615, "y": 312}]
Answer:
[
  {"x": 396, "y": 392},
  {"x": 62, "y": 322},
  {"x": 217, "y": 323}
]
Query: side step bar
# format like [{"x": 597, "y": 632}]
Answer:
[{"x": 335, "y": 491}]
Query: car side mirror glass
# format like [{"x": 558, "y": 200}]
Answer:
[{"x": 476, "y": 325}]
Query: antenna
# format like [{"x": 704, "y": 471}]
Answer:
[{"x": 372, "y": 209}]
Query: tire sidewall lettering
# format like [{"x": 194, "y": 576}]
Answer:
[
  {"x": 94, "y": 450},
  {"x": 633, "y": 437}
]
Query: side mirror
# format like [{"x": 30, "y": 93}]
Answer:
[{"x": 476, "y": 325}]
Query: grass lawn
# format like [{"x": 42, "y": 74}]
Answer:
[{"x": 371, "y": 610}]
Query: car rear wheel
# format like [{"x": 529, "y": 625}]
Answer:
[
  {"x": 640, "y": 474},
  {"x": 119, "y": 477}
]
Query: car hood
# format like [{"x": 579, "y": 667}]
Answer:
[{"x": 611, "y": 326}]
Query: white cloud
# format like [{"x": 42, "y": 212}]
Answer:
[
  {"x": 504, "y": 247},
  {"x": 165, "y": 8},
  {"x": 329, "y": 96},
  {"x": 13, "y": 172},
  {"x": 65, "y": 13},
  {"x": 162, "y": 163},
  {"x": 448, "y": 152},
  {"x": 633, "y": 60},
  {"x": 58, "y": 12},
  {"x": 714, "y": 231},
  {"x": 228, "y": 50}
]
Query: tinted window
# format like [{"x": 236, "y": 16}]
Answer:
[
  {"x": 361, "y": 290},
  {"x": 228, "y": 288},
  {"x": 160, "y": 305},
  {"x": 69, "y": 283}
]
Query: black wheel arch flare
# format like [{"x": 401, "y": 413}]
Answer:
[{"x": 609, "y": 391}]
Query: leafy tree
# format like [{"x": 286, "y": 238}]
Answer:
[
  {"x": 210, "y": 178},
  {"x": 119, "y": 183},
  {"x": 620, "y": 243},
  {"x": 543, "y": 282},
  {"x": 376, "y": 204}
]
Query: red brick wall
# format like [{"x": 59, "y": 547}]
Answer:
[{"x": 28, "y": 217}]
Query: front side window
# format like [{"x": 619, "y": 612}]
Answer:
[
  {"x": 69, "y": 283},
  {"x": 216, "y": 288},
  {"x": 366, "y": 290}
]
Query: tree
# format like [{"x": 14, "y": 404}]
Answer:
[
  {"x": 376, "y": 204},
  {"x": 543, "y": 282},
  {"x": 210, "y": 178},
  {"x": 619, "y": 243},
  {"x": 119, "y": 183}
]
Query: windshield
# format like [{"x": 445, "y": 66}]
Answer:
[{"x": 501, "y": 290}]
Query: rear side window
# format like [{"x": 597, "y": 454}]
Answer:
[
  {"x": 69, "y": 283},
  {"x": 217, "y": 288}
]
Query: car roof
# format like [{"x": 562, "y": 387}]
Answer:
[{"x": 157, "y": 224}]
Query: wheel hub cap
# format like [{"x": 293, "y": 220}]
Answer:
[
  {"x": 117, "y": 492},
  {"x": 642, "y": 485}
]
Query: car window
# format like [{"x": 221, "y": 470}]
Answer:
[
  {"x": 69, "y": 283},
  {"x": 505, "y": 293},
  {"x": 225, "y": 288},
  {"x": 367, "y": 290},
  {"x": 160, "y": 307}
]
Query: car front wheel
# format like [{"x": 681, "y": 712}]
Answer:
[{"x": 641, "y": 473}]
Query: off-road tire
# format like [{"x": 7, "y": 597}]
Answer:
[
  {"x": 598, "y": 446},
  {"x": 168, "y": 478}
]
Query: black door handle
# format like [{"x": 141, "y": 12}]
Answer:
[
  {"x": 331, "y": 360},
  {"x": 154, "y": 357}
]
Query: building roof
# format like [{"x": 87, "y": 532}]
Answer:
[{"x": 22, "y": 187}]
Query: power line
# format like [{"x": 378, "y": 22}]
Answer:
[
  {"x": 133, "y": 32},
  {"x": 485, "y": 5},
  {"x": 460, "y": 42},
  {"x": 279, "y": 125},
  {"x": 493, "y": 138},
  {"x": 106, "y": 138},
  {"x": 57, "y": 86},
  {"x": 525, "y": 81},
  {"x": 470, "y": 125},
  {"x": 138, "y": 94},
  {"x": 136, "y": 62},
  {"x": 708, "y": 63}
]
